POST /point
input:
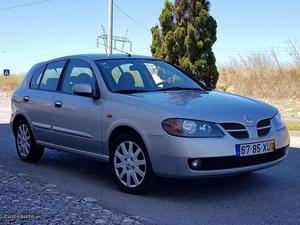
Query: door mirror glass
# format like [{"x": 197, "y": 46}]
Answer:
[{"x": 83, "y": 90}]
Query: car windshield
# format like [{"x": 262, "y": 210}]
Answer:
[{"x": 143, "y": 75}]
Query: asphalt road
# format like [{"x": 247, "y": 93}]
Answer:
[
  {"x": 4, "y": 110},
  {"x": 270, "y": 196}
]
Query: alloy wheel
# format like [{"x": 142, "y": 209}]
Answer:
[
  {"x": 130, "y": 164},
  {"x": 23, "y": 140}
]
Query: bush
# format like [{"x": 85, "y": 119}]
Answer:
[
  {"x": 11, "y": 83},
  {"x": 261, "y": 75}
]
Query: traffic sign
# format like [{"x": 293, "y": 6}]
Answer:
[{"x": 6, "y": 72}]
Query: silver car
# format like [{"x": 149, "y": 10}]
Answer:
[{"x": 145, "y": 117}]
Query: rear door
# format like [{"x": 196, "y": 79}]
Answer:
[
  {"x": 77, "y": 124},
  {"x": 38, "y": 101}
]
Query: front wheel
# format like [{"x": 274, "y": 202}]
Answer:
[
  {"x": 27, "y": 148},
  {"x": 131, "y": 164}
]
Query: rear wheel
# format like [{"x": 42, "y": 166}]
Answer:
[
  {"x": 27, "y": 148},
  {"x": 131, "y": 164}
]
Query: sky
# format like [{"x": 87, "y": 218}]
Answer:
[{"x": 55, "y": 28}]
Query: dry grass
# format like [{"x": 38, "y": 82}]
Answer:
[
  {"x": 293, "y": 125},
  {"x": 11, "y": 83},
  {"x": 261, "y": 75},
  {"x": 261, "y": 82}
]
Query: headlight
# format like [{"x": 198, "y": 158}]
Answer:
[
  {"x": 191, "y": 128},
  {"x": 279, "y": 124}
]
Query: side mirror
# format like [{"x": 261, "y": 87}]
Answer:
[{"x": 84, "y": 90}]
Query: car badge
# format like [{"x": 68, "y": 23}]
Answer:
[{"x": 248, "y": 118}]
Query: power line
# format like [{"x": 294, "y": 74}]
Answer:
[
  {"x": 250, "y": 48},
  {"x": 132, "y": 19},
  {"x": 33, "y": 58},
  {"x": 105, "y": 46},
  {"x": 24, "y": 5},
  {"x": 43, "y": 55}
]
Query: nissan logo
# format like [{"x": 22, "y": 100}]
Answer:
[{"x": 248, "y": 118}]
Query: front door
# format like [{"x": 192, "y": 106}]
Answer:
[{"x": 77, "y": 124}]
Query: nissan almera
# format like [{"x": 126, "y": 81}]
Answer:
[{"x": 145, "y": 117}]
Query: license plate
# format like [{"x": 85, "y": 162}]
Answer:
[{"x": 254, "y": 148}]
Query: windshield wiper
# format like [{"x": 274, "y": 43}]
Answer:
[
  {"x": 178, "y": 88},
  {"x": 129, "y": 91},
  {"x": 132, "y": 91}
]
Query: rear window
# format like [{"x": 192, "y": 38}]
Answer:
[
  {"x": 51, "y": 76},
  {"x": 36, "y": 78}
]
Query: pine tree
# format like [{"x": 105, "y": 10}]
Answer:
[{"x": 185, "y": 36}]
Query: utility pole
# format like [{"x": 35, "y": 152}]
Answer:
[
  {"x": 110, "y": 26},
  {"x": 109, "y": 39},
  {"x": 115, "y": 39}
]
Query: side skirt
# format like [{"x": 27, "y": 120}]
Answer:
[{"x": 76, "y": 151}]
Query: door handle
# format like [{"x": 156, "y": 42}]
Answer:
[
  {"x": 58, "y": 104},
  {"x": 26, "y": 99}
]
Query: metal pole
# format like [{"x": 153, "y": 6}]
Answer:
[
  {"x": 6, "y": 95},
  {"x": 110, "y": 26}
]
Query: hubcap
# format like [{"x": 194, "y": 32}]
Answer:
[
  {"x": 23, "y": 140},
  {"x": 130, "y": 164}
]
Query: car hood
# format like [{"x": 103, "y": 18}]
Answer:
[{"x": 211, "y": 106}]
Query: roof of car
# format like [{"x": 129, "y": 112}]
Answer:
[
  {"x": 106, "y": 56},
  {"x": 94, "y": 57}
]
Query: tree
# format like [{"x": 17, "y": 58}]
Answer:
[{"x": 185, "y": 36}]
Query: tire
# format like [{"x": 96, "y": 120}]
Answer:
[
  {"x": 130, "y": 164},
  {"x": 27, "y": 148}
]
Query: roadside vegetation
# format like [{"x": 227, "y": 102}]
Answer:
[
  {"x": 262, "y": 75},
  {"x": 293, "y": 125},
  {"x": 11, "y": 83}
]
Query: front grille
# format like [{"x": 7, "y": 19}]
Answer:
[
  {"x": 264, "y": 123},
  {"x": 228, "y": 162},
  {"x": 263, "y": 127},
  {"x": 236, "y": 130}
]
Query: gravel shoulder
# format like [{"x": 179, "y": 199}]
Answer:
[{"x": 24, "y": 200}]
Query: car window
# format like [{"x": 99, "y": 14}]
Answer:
[
  {"x": 162, "y": 74},
  {"x": 143, "y": 75},
  {"x": 127, "y": 68},
  {"x": 36, "y": 78},
  {"x": 51, "y": 76},
  {"x": 78, "y": 72}
]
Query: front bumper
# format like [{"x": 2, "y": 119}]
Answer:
[{"x": 169, "y": 155}]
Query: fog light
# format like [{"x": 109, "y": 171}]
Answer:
[{"x": 196, "y": 163}]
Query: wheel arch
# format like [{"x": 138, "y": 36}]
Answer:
[
  {"x": 123, "y": 127},
  {"x": 17, "y": 118},
  {"x": 120, "y": 130}
]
